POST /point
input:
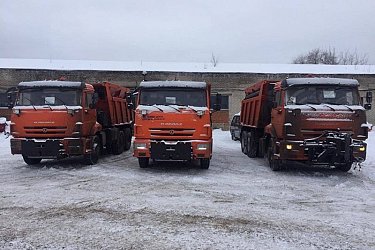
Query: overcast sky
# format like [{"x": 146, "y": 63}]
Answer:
[{"x": 259, "y": 31}]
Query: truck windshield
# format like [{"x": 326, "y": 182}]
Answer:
[
  {"x": 176, "y": 96},
  {"x": 49, "y": 96},
  {"x": 322, "y": 94}
]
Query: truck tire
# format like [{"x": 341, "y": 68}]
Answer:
[
  {"x": 244, "y": 142},
  {"x": 345, "y": 167},
  {"x": 252, "y": 144},
  {"x": 128, "y": 138},
  {"x": 143, "y": 162},
  {"x": 118, "y": 145},
  {"x": 204, "y": 163},
  {"x": 31, "y": 161},
  {"x": 275, "y": 164},
  {"x": 93, "y": 157}
]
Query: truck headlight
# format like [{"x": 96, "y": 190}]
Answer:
[
  {"x": 202, "y": 146},
  {"x": 140, "y": 145},
  {"x": 77, "y": 131},
  {"x": 289, "y": 146},
  {"x": 362, "y": 149}
]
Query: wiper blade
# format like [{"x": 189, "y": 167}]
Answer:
[
  {"x": 349, "y": 108},
  {"x": 325, "y": 104},
  {"x": 311, "y": 106},
  {"x": 173, "y": 106},
  {"x": 63, "y": 103},
  {"x": 158, "y": 108},
  {"x": 190, "y": 107},
  {"x": 29, "y": 101}
]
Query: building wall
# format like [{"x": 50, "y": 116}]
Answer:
[{"x": 231, "y": 84}]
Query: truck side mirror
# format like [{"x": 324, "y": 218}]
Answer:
[
  {"x": 9, "y": 101},
  {"x": 368, "y": 106},
  {"x": 369, "y": 97},
  {"x": 217, "y": 105},
  {"x": 128, "y": 98}
]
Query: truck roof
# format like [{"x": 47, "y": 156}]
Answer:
[
  {"x": 319, "y": 80},
  {"x": 174, "y": 84},
  {"x": 65, "y": 84}
]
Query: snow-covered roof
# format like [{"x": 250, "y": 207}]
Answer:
[
  {"x": 60, "y": 84},
  {"x": 175, "y": 84},
  {"x": 320, "y": 80},
  {"x": 10, "y": 63}
]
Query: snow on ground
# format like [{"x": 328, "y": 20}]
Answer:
[
  {"x": 238, "y": 203},
  {"x": 14, "y": 63}
]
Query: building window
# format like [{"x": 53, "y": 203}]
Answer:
[{"x": 224, "y": 101}]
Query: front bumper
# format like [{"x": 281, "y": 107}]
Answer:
[
  {"x": 48, "y": 148},
  {"x": 335, "y": 148},
  {"x": 172, "y": 150}
]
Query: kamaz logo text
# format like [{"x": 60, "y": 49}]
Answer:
[{"x": 171, "y": 124}]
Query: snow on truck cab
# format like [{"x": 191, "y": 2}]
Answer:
[
  {"x": 57, "y": 119},
  {"x": 173, "y": 122},
  {"x": 318, "y": 121}
]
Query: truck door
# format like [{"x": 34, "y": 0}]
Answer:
[
  {"x": 277, "y": 114},
  {"x": 89, "y": 114}
]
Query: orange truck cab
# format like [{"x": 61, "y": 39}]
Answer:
[
  {"x": 318, "y": 121},
  {"x": 173, "y": 122},
  {"x": 57, "y": 119}
]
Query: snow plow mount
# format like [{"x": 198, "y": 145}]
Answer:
[{"x": 334, "y": 148}]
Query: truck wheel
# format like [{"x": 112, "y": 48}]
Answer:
[
  {"x": 119, "y": 144},
  {"x": 244, "y": 142},
  {"x": 275, "y": 164},
  {"x": 128, "y": 138},
  {"x": 93, "y": 157},
  {"x": 345, "y": 167},
  {"x": 143, "y": 162},
  {"x": 31, "y": 161},
  {"x": 252, "y": 145},
  {"x": 205, "y": 163}
]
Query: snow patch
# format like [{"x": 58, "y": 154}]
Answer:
[
  {"x": 60, "y": 84},
  {"x": 173, "y": 84},
  {"x": 14, "y": 63}
]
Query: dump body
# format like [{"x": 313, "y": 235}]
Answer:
[
  {"x": 112, "y": 105},
  {"x": 173, "y": 122},
  {"x": 57, "y": 119},
  {"x": 318, "y": 121}
]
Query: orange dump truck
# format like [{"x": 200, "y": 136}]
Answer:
[
  {"x": 173, "y": 122},
  {"x": 318, "y": 121},
  {"x": 57, "y": 119}
]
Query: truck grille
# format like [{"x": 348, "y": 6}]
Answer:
[
  {"x": 170, "y": 132},
  {"x": 45, "y": 130}
]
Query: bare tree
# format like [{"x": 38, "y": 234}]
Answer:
[
  {"x": 352, "y": 58},
  {"x": 214, "y": 59},
  {"x": 329, "y": 56}
]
